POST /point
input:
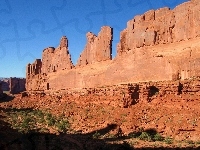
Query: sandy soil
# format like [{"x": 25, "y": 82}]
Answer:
[{"x": 172, "y": 118}]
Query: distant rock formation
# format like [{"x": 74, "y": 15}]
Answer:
[
  {"x": 17, "y": 85},
  {"x": 160, "y": 45},
  {"x": 5, "y": 83},
  {"x": 13, "y": 85},
  {"x": 1, "y": 91}
]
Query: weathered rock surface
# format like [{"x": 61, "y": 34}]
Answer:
[
  {"x": 56, "y": 59},
  {"x": 17, "y": 85},
  {"x": 5, "y": 82},
  {"x": 13, "y": 85},
  {"x": 53, "y": 60},
  {"x": 98, "y": 48},
  {"x": 125, "y": 95},
  {"x": 162, "y": 26},
  {"x": 169, "y": 107},
  {"x": 159, "y": 45}
]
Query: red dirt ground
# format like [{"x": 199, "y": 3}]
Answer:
[{"x": 177, "y": 119}]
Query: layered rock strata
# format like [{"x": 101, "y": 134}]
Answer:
[
  {"x": 125, "y": 95},
  {"x": 162, "y": 26},
  {"x": 98, "y": 48},
  {"x": 159, "y": 45},
  {"x": 56, "y": 61}
]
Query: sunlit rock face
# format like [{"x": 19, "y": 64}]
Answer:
[{"x": 159, "y": 45}]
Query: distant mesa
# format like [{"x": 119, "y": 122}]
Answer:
[{"x": 159, "y": 45}]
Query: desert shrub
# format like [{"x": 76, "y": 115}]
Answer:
[
  {"x": 157, "y": 137},
  {"x": 96, "y": 135},
  {"x": 197, "y": 142},
  {"x": 168, "y": 140},
  {"x": 50, "y": 119},
  {"x": 62, "y": 125},
  {"x": 27, "y": 120},
  {"x": 190, "y": 142},
  {"x": 145, "y": 136}
]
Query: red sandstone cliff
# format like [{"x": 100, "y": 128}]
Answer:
[
  {"x": 98, "y": 48},
  {"x": 159, "y": 45},
  {"x": 56, "y": 59},
  {"x": 17, "y": 85},
  {"x": 162, "y": 26}
]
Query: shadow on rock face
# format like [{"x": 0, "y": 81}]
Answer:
[{"x": 6, "y": 98}]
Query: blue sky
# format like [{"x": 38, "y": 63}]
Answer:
[{"x": 27, "y": 27}]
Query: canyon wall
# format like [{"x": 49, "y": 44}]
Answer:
[
  {"x": 17, "y": 85},
  {"x": 98, "y": 48},
  {"x": 13, "y": 85},
  {"x": 162, "y": 26},
  {"x": 159, "y": 45},
  {"x": 56, "y": 59},
  {"x": 125, "y": 95}
]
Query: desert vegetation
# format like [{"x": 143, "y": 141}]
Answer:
[{"x": 90, "y": 125}]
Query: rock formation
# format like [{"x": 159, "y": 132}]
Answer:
[
  {"x": 162, "y": 26},
  {"x": 17, "y": 85},
  {"x": 5, "y": 82},
  {"x": 125, "y": 95},
  {"x": 53, "y": 60},
  {"x": 56, "y": 59},
  {"x": 98, "y": 48},
  {"x": 35, "y": 68},
  {"x": 160, "y": 45},
  {"x": 1, "y": 91},
  {"x": 13, "y": 85}
]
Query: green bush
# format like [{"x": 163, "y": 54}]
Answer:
[
  {"x": 145, "y": 136},
  {"x": 62, "y": 125},
  {"x": 50, "y": 119},
  {"x": 168, "y": 140},
  {"x": 158, "y": 137},
  {"x": 190, "y": 142},
  {"x": 96, "y": 135},
  {"x": 27, "y": 120}
]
